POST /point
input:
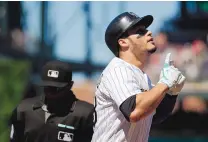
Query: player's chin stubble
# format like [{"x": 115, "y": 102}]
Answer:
[{"x": 153, "y": 50}]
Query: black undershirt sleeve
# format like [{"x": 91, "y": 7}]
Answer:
[
  {"x": 128, "y": 106},
  {"x": 164, "y": 109},
  {"x": 162, "y": 112}
]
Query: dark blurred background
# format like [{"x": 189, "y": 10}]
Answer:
[{"x": 31, "y": 33}]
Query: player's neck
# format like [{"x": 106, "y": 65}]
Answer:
[{"x": 134, "y": 61}]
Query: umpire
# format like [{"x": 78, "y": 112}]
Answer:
[{"x": 57, "y": 115}]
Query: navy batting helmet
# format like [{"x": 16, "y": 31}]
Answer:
[{"x": 120, "y": 25}]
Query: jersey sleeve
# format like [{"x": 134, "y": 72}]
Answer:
[
  {"x": 122, "y": 83},
  {"x": 17, "y": 126}
]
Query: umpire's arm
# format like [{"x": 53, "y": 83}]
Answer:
[
  {"x": 165, "y": 108},
  {"x": 17, "y": 127}
]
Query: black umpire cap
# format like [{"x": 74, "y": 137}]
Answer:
[
  {"x": 120, "y": 25},
  {"x": 56, "y": 74}
]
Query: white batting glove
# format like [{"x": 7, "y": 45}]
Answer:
[
  {"x": 179, "y": 85},
  {"x": 169, "y": 74}
]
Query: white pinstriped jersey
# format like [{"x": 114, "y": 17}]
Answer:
[{"x": 119, "y": 81}]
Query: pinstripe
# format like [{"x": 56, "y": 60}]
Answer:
[
  {"x": 104, "y": 110},
  {"x": 119, "y": 81},
  {"x": 121, "y": 89},
  {"x": 144, "y": 130},
  {"x": 127, "y": 78},
  {"x": 118, "y": 96},
  {"x": 122, "y": 81}
]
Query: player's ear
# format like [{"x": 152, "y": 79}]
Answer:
[{"x": 123, "y": 43}]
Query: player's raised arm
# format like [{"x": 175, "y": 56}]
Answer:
[
  {"x": 148, "y": 101},
  {"x": 125, "y": 91}
]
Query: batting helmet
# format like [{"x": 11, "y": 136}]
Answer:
[{"x": 120, "y": 25}]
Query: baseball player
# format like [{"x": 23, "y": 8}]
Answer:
[{"x": 126, "y": 101}]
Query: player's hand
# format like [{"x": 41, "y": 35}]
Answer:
[
  {"x": 179, "y": 85},
  {"x": 169, "y": 75}
]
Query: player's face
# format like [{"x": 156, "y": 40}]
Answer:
[{"x": 141, "y": 41}]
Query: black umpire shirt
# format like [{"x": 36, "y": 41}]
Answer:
[{"x": 32, "y": 123}]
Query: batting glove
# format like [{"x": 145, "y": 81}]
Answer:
[
  {"x": 169, "y": 74},
  {"x": 179, "y": 85}
]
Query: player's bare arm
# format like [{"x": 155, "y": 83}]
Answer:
[{"x": 147, "y": 102}]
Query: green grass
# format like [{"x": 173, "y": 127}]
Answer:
[{"x": 13, "y": 78}]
